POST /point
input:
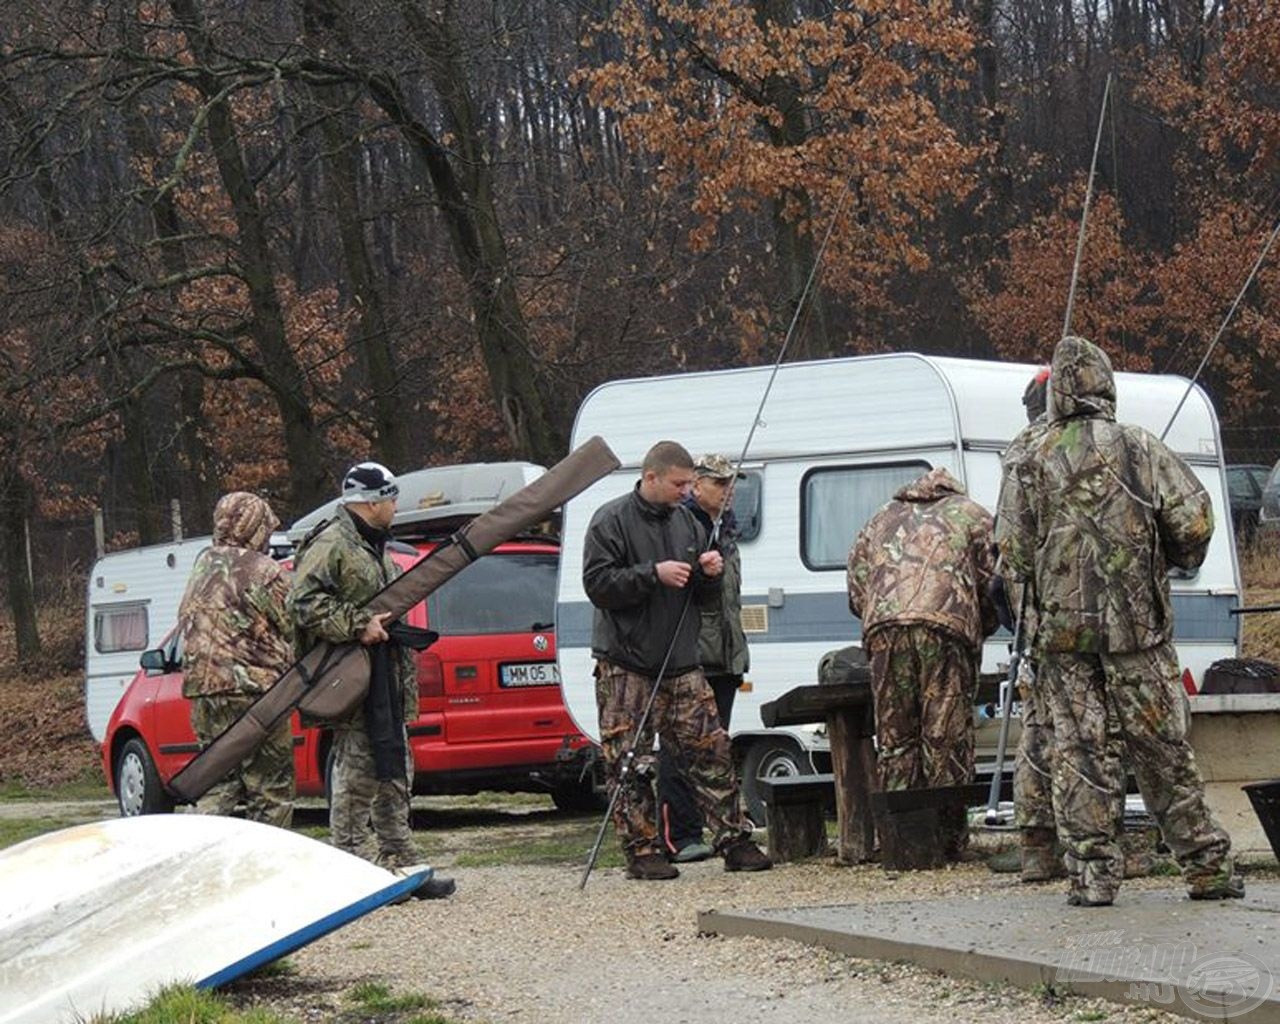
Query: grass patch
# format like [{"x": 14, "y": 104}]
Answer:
[
  {"x": 572, "y": 848},
  {"x": 282, "y": 968},
  {"x": 375, "y": 997},
  {"x": 87, "y": 786},
  {"x": 18, "y": 830},
  {"x": 182, "y": 1004}
]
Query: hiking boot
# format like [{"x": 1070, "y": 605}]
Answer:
[
  {"x": 1231, "y": 889},
  {"x": 744, "y": 855},
  {"x": 691, "y": 852},
  {"x": 437, "y": 887},
  {"x": 650, "y": 867},
  {"x": 1041, "y": 856}
]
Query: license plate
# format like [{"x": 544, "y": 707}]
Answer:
[{"x": 530, "y": 673}]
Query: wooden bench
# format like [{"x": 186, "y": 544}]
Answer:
[
  {"x": 907, "y": 822},
  {"x": 797, "y": 815}
]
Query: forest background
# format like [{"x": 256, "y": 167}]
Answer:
[{"x": 244, "y": 243}]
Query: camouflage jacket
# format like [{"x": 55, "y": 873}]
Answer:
[
  {"x": 1096, "y": 514},
  {"x": 722, "y": 644},
  {"x": 926, "y": 557},
  {"x": 236, "y": 634},
  {"x": 337, "y": 572},
  {"x": 1023, "y": 443}
]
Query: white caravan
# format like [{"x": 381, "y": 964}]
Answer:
[
  {"x": 132, "y": 605},
  {"x": 836, "y": 439}
]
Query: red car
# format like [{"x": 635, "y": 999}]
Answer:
[{"x": 490, "y": 712}]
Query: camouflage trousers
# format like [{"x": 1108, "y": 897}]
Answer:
[
  {"x": 1142, "y": 694},
  {"x": 368, "y": 817},
  {"x": 1033, "y": 765},
  {"x": 685, "y": 717},
  {"x": 923, "y": 682},
  {"x": 263, "y": 782}
]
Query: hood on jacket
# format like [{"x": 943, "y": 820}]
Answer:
[
  {"x": 1081, "y": 382},
  {"x": 935, "y": 484},
  {"x": 243, "y": 520}
]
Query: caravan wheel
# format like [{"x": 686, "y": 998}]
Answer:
[
  {"x": 138, "y": 786},
  {"x": 769, "y": 758}
]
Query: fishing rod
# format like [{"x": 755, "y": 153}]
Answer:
[
  {"x": 1088, "y": 201},
  {"x": 628, "y": 758},
  {"x": 1017, "y": 655},
  {"x": 1222, "y": 327}
]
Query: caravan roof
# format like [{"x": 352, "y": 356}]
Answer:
[
  {"x": 879, "y": 402},
  {"x": 442, "y": 494}
]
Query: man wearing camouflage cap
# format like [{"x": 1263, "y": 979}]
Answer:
[
  {"x": 237, "y": 640},
  {"x": 722, "y": 652},
  {"x": 1094, "y": 518}
]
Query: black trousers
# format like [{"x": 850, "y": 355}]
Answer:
[{"x": 679, "y": 820}]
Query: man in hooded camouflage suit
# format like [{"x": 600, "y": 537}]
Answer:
[
  {"x": 919, "y": 575},
  {"x": 237, "y": 639},
  {"x": 1094, "y": 517}
]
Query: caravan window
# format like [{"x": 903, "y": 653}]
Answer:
[
  {"x": 120, "y": 627},
  {"x": 746, "y": 506},
  {"x": 836, "y": 503}
]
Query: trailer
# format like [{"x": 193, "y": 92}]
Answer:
[
  {"x": 836, "y": 439},
  {"x": 132, "y": 605}
]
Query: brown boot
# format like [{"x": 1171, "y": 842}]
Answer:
[
  {"x": 744, "y": 855},
  {"x": 1041, "y": 856},
  {"x": 650, "y": 867}
]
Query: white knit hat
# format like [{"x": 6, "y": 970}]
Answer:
[{"x": 368, "y": 481}]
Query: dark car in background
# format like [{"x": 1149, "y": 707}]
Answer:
[
  {"x": 1245, "y": 483},
  {"x": 1269, "y": 513}
]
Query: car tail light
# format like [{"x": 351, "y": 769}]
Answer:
[
  {"x": 430, "y": 675},
  {"x": 1189, "y": 682}
]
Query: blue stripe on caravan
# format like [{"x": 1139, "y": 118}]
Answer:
[{"x": 825, "y": 617}]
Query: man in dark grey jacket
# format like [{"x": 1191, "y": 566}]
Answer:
[
  {"x": 644, "y": 560},
  {"x": 722, "y": 652}
]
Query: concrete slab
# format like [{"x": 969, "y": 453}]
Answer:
[{"x": 1208, "y": 961}]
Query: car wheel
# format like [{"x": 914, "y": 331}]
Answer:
[
  {"x": 769, "y": 758},
  {"x": 577, "y": 795},
  {"x": 138, "y": 786}
]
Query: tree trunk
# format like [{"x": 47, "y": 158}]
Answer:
[
  {"x": 371, "y": 333},
  {"x": 15, "y": 504},
  {"x": 463, "y": 184},
  {"x": 303, "y": 446}
]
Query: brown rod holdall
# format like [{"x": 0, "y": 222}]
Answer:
[{"x": 331, "y": 680}]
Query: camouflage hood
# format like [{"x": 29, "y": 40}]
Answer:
[
  {"x": 1081, "y": 382},
  {"x": 243, "y": 520},
  {"x": 935, "y": 484}
]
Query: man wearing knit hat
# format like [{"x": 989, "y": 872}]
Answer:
[{"x": 339, "y": 567}]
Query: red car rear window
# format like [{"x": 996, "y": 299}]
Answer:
[{"x": 501, "y": 593}]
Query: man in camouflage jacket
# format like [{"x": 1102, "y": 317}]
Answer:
[
  {"x": 1032, "y": 769},
  {"x": 1094, "y": 518},
  {"x": 339, "y": 568},
  {"x": 722, "y": 653},
  {"x": 236, "y": 642},
  {"x": 919, "y": 574}
]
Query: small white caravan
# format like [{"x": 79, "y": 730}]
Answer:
[
  {"x": 133, "y": 603},
  {"x": 836, "y": 439}
]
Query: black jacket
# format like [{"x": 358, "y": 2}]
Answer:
[{"x": 636, "y": 615}]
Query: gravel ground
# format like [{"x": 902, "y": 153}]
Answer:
[{"x": 523, "y": 944}]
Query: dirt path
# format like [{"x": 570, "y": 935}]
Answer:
[{"x": 521, "y": 943}]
